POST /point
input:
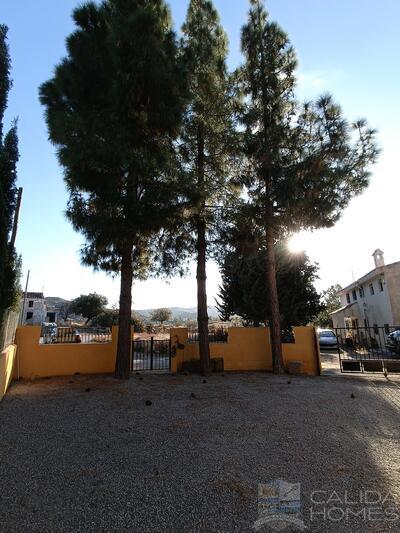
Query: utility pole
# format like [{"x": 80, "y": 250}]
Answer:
[
  {"x": 23, "y": 303},
  {"x": 16, "y": 217}
]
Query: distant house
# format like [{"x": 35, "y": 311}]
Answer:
[
  {"x": 372, "y": 300},
  {"x": 36, "y": 311}
]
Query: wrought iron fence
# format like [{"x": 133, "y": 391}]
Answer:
[
  {"x": 220, "y": 333},
  {"x": 53, "y": 334},
  {"x": 216, "y": 334},
  {"x": 369, "y": 349},
  {"x": 151, "y": 354}
]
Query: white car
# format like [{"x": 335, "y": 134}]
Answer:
[{"x": 327, "y": 338}]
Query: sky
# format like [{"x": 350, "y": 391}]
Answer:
[{"x": 349, "y": 48}]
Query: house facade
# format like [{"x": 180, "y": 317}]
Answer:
[
  {"x": 36, "y": 311},
  {"x": 372, "y": 300}
]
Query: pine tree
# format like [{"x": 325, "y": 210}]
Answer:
[
  {"x": 243, "y": 291},
  {"x": 9, "y": 261},
  {"x": 305, "y": 162},
  {"x": 113, "y": 110},
  {"x": 206, "y": 144}
]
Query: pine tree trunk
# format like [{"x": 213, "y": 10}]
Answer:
[
  {"x": 275, "y": 326},
  {"x": 202, "y": 312},
  {"x": 122, "y": 363}
]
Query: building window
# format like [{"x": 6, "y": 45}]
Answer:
[
  {"x": 371, "y": 288},
  {"x": 30, "y": 303},
  {"x": 361, "y": 292},
  {"x": 381, "y": 285},
  {"x": 348, "y": 297},
  {"x": 354, "y": 295},
  {"x": 29, "y": 315}
]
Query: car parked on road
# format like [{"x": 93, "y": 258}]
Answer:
[
  {"x": 393, "y": 341},
  {"x": 327, "y": 338}
]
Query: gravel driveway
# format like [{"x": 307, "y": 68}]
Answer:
[{"x": 88, "y": 454}]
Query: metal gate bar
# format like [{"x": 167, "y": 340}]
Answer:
[
  {"x": 151, "y": 354},
  {"x": 368, "y": 349}
]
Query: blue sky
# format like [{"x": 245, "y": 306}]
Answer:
[{"x": 347, "y": 47}]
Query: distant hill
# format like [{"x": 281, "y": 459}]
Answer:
[
  {"x": 184, "y": 313},
  {"x": 55, "y": 301}
]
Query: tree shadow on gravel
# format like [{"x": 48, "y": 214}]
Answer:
[{"x": 86, "y": 462}]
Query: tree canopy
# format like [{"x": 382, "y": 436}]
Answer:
[
  {"x": 243, "y": 291},
  {"x": 9, "y": 261},
  {"x": 88, "y": 305},
  {"x": 113, "y": 109},
  {"x": 206, "y": 145},
  {"x": 304, "y": 161},
  {"x": 109, "y": 317},
  {"x": 330, "y": 302},
  {"x": 65, "y": 310},
  {"x": 161, "y": 315},
  {"x": 157, "y": 139}
]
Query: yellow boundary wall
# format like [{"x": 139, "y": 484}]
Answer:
[
  {"x": 7, "y": 362},
  {"x": 246, "y": 349},
  {"x": 250, "y": 349},
  {"x": 36, "y": 360}
]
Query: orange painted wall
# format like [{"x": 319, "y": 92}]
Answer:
[
  {"x": 250, "y": 349},
  {"x": 41, "y": 360},
  {"x": 246, "y": 349},
  {"x": 7, "y": 361}
]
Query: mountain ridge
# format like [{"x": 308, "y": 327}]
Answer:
[{"x": 186, "y": 313}]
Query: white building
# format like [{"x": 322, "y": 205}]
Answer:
[
  {"x": 372, "y": 300},
  {"x": 36, "y": 311}
]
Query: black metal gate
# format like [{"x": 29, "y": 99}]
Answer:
[
  {"x": 369, "y": 349},
  {"x": 151, "y": 354}
]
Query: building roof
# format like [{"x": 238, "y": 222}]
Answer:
[
  {"x": 372, "y": 274},
  {"x": 343, "y": 308},
  {"x": 35, "y": 295}
]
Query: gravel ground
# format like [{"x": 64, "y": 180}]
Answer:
[{"x": 88, "y": 454}]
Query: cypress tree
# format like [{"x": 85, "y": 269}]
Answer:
[
  {"x": 206, "y": 144},
  {"x": 304, "y": 161},
  {"x": 9, "y": 261},
  {"x": 113, "y": 110}
]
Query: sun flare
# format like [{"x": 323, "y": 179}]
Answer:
[{"x": 296, "y": 243}]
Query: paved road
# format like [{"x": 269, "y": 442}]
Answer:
[{"x": 330, "y": 362}]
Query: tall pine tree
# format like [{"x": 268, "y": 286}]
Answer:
[
  {"x": 243, "y": 291},
  {"x": 113, "y": 109},
  {"x": 206, "y": 144},
  {"x": 9, "y": 262},
  {"x": 304, "y": 162}
]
